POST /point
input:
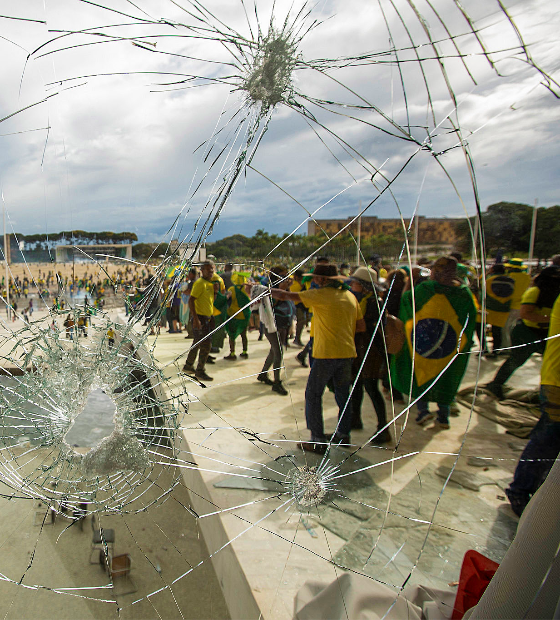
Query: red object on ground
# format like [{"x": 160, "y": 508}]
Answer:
[{"x": 476, "y": 573}]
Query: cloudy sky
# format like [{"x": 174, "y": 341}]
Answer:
[{"x": 114, "y": 142}]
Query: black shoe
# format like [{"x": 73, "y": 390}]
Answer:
[
  {"x": 424, "y": 416},
  {"x": 231, "y": 357},
  {"x": 210, "y": 360},
  {"x": 244, "y": 355},
  {"x": 188, "y": 369},
  {"x": 263, "y": 378},
  {"x": 383, "y": 437},
  {"x": 311, "y": 446},
  {"x": 201, "y": 374},
  {"x": 301, "y": 359},
  {"x": 518, "y": 504},
  {"x": 495, "y": 389},
  {"x": 279, "y": 388}
]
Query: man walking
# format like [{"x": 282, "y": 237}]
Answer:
[
  {"x": 201, "y": 307},
  {"x": 337, "y": 317}
]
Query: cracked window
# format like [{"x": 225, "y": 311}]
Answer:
[
  {"x": 94, "y": 423},
  {"x": 131, "y": 487}
]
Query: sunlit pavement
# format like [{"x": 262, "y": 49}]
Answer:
[
  {"x": 394, "y": 517},
  {"x": 392, "y": 520}
]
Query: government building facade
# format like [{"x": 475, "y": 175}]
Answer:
[{"x": 438, "y": 230}]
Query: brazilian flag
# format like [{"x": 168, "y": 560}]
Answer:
[
  {"x": 499, "y": 294},
  {"x": 220, "y": 315},
  {"x": 240, "y": 320},
  {"x": 433, "y": 338}
]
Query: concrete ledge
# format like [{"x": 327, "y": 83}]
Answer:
[{"x": 235, "y": 587}]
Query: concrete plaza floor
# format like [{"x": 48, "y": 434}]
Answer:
[{"x": 393, "y": 515}]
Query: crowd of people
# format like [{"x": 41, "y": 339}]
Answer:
[
  {"x": 406, "y": 331},
  {"x": 61, "y": 289},
  {"x": 410, "y": 329}
]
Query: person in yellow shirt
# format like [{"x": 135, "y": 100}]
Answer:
[
  {"x": 111, "y": 337},
  {"x": 238, "y": 318},
  {"x": 544, "y": 444},
  {"x": 529, "y": 335},
  {"x": 517, "y": 270},
  {"x": 201, "y": 306},
  {"x": 336, "y": 319}
]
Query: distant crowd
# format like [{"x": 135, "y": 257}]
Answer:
[
  {"x": 405, "y": 330},
  {"x": 410, "y": 328}
]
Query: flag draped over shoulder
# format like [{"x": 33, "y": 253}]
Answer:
[
  {"x": 220, "y": 308},
  {"x": 240, "y": 320},
  {"x": 441, "y": 326},
  {"x": 499, "y": 294}
]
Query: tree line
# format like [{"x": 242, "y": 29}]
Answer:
[
  {"x": 507, "y": 226},
  {"x": 292, "y": 248}
]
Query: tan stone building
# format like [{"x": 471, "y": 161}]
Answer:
[{"x": 438, "y": 230}]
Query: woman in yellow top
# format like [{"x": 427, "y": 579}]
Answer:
[{"x": 529, "y": 335}]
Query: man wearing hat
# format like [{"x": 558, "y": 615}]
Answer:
[
  {"x": 370, "y": 365},
  {"x": 337, "y": 317},
  {"x": 375, "y": 262},
  {"x": 517, "y": 271}
]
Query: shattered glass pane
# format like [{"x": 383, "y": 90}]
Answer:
[{"x": 187, "y": 478}]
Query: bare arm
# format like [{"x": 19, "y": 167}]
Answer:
[
  {"x": 278, "y": 293},
  {"x": 360, "y": 326},
  {"x": 529, "y": 312},
  {"x": 195, "y": 319}
]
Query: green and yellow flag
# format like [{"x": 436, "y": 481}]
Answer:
[
  {"x": 240, "y": 320},
  {"x": 441, "y": 326},
  {"x": 499, "y": 294}
]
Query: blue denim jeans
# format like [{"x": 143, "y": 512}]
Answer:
[
  {"x": 443, "y": 410},
  {"x": 539, "y": 454},
  {"x": 340, "y": 371}
]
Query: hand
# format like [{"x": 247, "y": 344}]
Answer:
[{"x": 196, "y": 322}]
